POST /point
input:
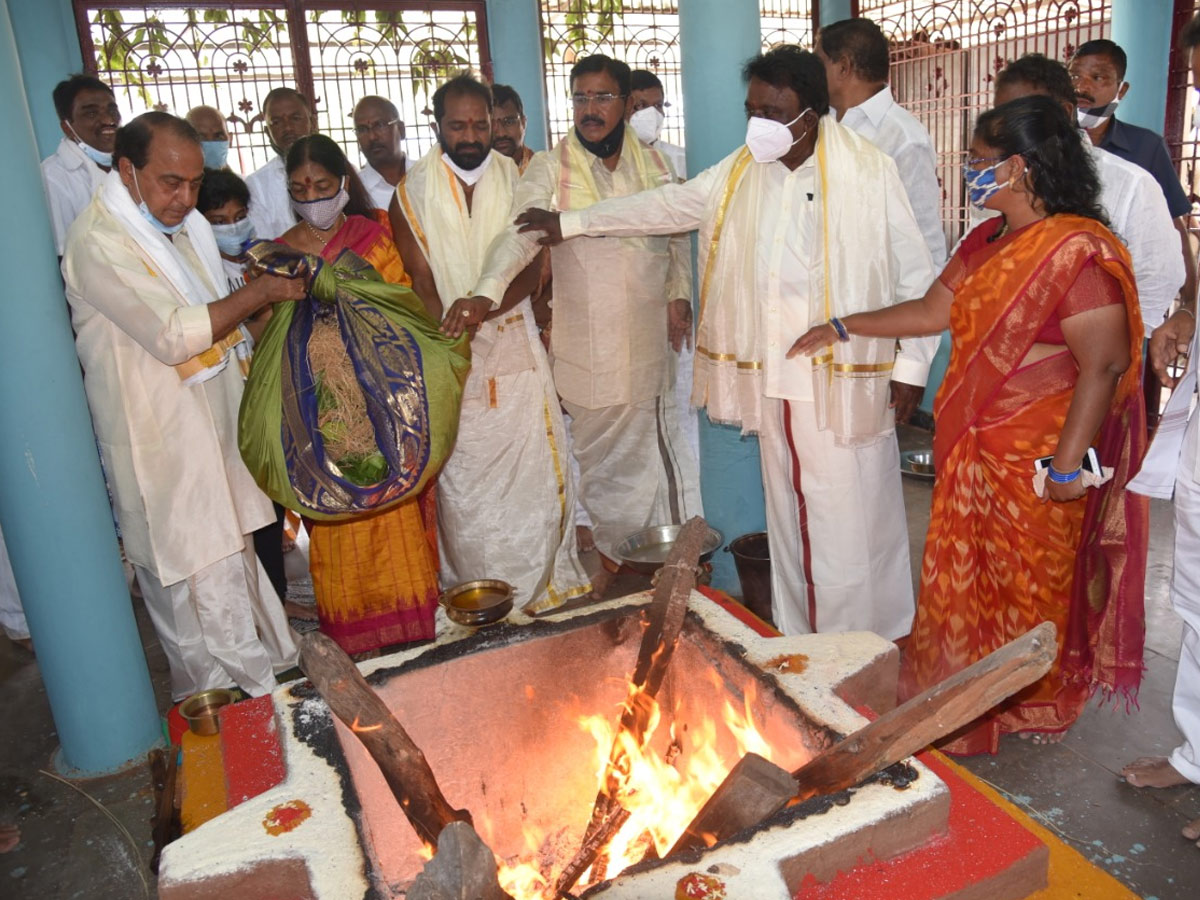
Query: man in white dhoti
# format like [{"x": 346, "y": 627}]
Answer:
[
  {"x": 143, "y": 275},
  {"x": 380, "y": 134},
  {"x": 805, "y": 222},
  {"x": 505, "y": 501},
  {"x": 287, "y": 117},
  {"x": 617, "y": 303},
  {"x": 1173, "y": 464},
  {"x": 89, "y": 117},
  {"x": 1137, "y": 211}
]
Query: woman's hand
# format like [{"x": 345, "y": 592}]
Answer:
[
  {"x": 813, "y": 340},
  {"x": 1063, "y": 492}
]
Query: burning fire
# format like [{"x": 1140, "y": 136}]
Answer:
[{"x": 663, "y": 784}]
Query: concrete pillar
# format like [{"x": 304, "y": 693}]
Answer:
[
  {"x": 515, "y": 41},
  {"x": 716, "y": 37},
  {"x": 53, "y": 507},
  {"x": 835, "y": 11},
  {"x": 1142, "y": 28},
  {"x": 49, "y": 42}
]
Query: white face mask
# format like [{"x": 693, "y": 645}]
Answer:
[
  {"x": 231, "y": 237},
  {"x": 1098, "y": 115},
  {"x": 323, "y": 213},
  {"x": 769, "y": 140},
  {"x": 102, "y": 158},
  {"x": 647, "y": 124},
  {"x": 470, "y": 177}
]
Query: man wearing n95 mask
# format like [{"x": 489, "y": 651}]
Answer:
[{"x": 646, "y": 115}]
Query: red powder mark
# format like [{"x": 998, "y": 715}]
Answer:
[
  {"x": 253, "y": 757},
  {"x": 981, "y": 842},
  {"x": 695, "y": 886},
  {"x": 286, "y": 817}
]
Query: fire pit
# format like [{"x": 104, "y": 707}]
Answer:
[{"x": 517, "y": 721}]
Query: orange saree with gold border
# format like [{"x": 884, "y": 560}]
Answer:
[{"x": 999, "y": 560}]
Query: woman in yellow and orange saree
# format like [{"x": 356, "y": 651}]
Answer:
[
  {"x": 375, "y": 576},
  {"x": 1045, "y": 362}
]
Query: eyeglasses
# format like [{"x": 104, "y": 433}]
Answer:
[
  {"x": 508, "y": 122},
  {"x": 374, "y": 127},
  {"x": 582, "y": 101},
  {"x": 970, "y": 162}
]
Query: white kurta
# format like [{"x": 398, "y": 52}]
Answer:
[
  {"x": 377, "y": 186},
  {"x": 835, "y": 513},
  {"x": 270, "y": 203},
  {"x": 505, "y": 498},
  {"x": 184, "y": 499},
  {"x": 70, "y": 178},
  {"x": 12, "y": 614},
  {"x": 610, "y": 350}
]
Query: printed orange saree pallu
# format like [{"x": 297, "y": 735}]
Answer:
[{"x": 999, "y": 560}]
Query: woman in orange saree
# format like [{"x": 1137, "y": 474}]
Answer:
[
  {"x": 375, "y": 576},
  {"x": 1045, "y": 362}
]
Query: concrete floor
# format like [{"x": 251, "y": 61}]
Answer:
[{"x": 92, "y": 839}]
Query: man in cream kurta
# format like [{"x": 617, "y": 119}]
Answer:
[
  {"x": 821, "y": 226},
  {"x": 164, "y": 402},
  {"x": 505, "y": 502},
  {"x": 609, "y": 342}
]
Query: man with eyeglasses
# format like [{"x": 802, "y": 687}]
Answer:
[
  {"x": 619, "y": 305},
  {"x": 508, "y": 126},
  {"x": 646, "y": 115},
  {"x": 380, "y": 136},
  {"x": 88, "y": 116},
  {"x": 287, "y": 117}
]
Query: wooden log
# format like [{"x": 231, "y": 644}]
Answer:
[
  {"x": 748, "y": 796},
  {"x": 401, "y": 761}
]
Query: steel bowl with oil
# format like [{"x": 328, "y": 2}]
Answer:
[
  {"x": 481, "y": 602},
  {"x": 645, "y": 551},
  {"x": 201, "y": 710}
]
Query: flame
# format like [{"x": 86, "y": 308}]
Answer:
[{"x": 354, "y": 726}]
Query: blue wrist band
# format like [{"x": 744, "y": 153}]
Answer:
[{"x": 1059, "y": 477}]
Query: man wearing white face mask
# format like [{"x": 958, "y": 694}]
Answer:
[
  {"x": 805, "y": 223},
  {"x": 88, "y": 115},
  {"x": 646, "y": 115},
  {"x": 143, "y": 279}
]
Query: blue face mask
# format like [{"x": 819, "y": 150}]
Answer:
[
  {"x": 215, "y": 153},
  {"x": 981, "y": 183},
  {"x": 99, "y": 157},
  {"x": 231, "y": 238},
  {"x": 149, "y": 216}
]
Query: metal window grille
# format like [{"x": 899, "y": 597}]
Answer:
[
  {"x": 788, "y": 22},
  {"x": 642, "y": 33},
  {"x": 231, "y": 54},
  {"x": 945, "y": 56},
  {"x": 1183, "y": 116}
]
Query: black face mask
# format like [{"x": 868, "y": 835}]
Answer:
[{"x": 607, "y": 145}]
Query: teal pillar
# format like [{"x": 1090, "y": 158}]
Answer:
[
  {"x": 49, "y": 44},
  {"x": 835, "y": 11},
  {"x": 1142, "y": 28},
  {"x": 515, "y": 42},
  {"x": 716, "y": 38},
  {"x": 53, "y": 506}
]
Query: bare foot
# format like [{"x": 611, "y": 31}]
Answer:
[
  {"x": 585, "y": 539},
  {"x": 1154, "y": 772},
  {"x": 601, "y": 582},
  {"x": 295, "y": 610},
  {"x": 1191, "y": 831},
  {"x": 10, "y": 836}
]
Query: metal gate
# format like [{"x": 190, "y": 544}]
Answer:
[{"x": 230, "y": 54}]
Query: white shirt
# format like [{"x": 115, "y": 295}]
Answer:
[
  {"x": 895, "y": 131},
  {"x": 71, "y": 178},
  {"x": 1138, "y": 215},
  {"x": 783, "y": 278},
  {"x": 270, "y": 203},
  {"x": 377, "y": 186},
  {"x": 675, "y": 155}
]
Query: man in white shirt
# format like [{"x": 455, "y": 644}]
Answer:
[
  {"x": 287, "y": 117},
  {"x": 88, "y": 116},
  {"x": 646, "y": 115},
  {"x": 143, "y": 276},
  {"x": 1137, "y": 211},
  {"x": 791, "y": 236},
  {"x": 380, "y": 136},
  {"x": 618, "y": 304},
  {"x": 508, "y": 126}
]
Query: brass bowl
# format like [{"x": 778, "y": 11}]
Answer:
[
  {"x": 646, "y": 551},
  {"x": 481, "y": 602},
  {"x": 200, "y": 710}
]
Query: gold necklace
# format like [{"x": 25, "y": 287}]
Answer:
[{"x": 332, "y": 231}]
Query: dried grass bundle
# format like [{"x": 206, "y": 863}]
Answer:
[{"x": 341, "y": 407}]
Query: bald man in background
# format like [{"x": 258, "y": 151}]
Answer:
[
  {"x": 214, "y": 137},
  {"x": 380, "y": 134}
]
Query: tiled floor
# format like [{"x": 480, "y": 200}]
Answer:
[{"x": 94, "y": 847}]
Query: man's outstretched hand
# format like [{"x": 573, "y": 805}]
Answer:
[
  {"x": 541, "y": 220},
  {"x": 465, "y": 314}
]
